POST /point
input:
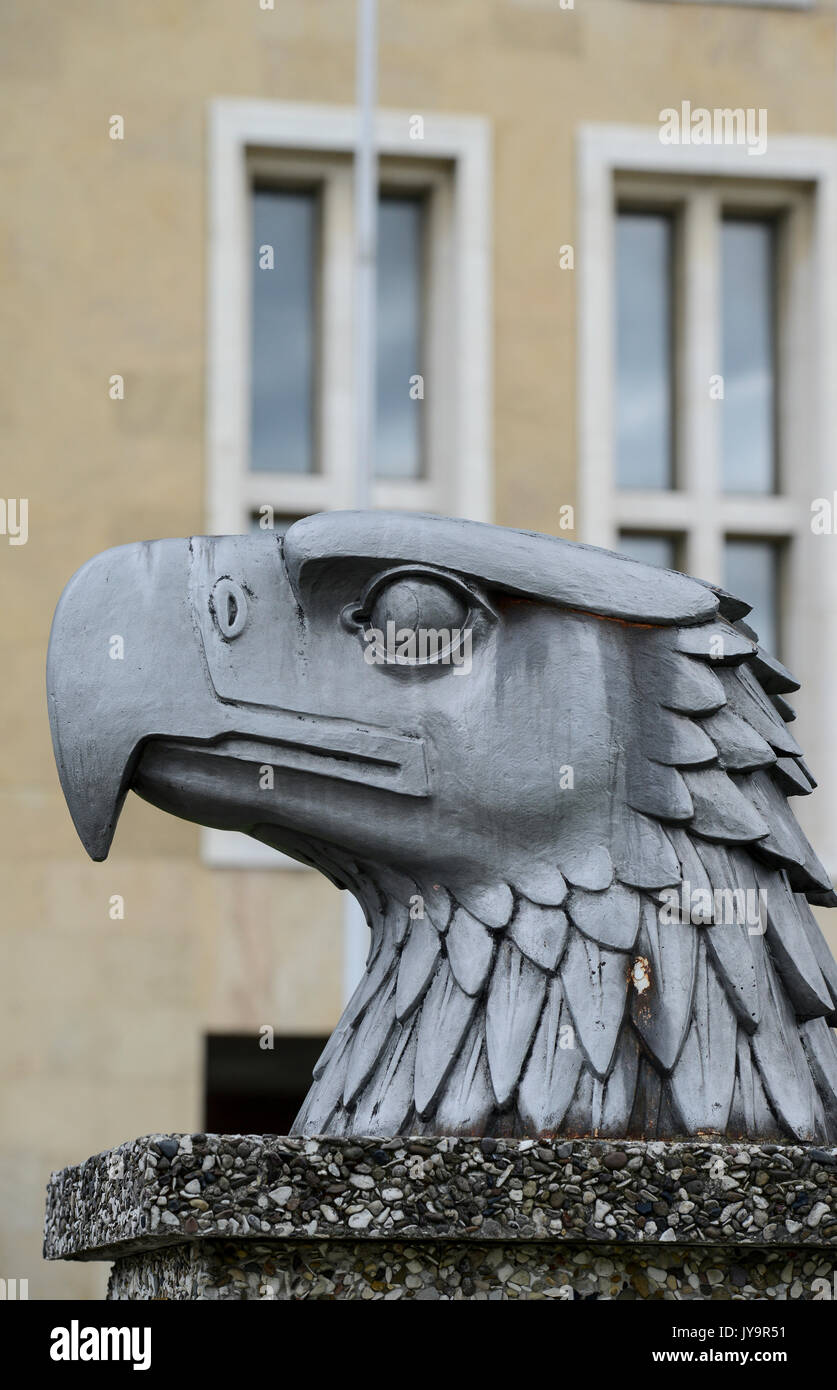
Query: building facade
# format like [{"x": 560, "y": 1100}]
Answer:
[{"x": 606, "y": 311}]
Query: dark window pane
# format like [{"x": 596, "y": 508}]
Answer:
[
  {"x": 650, "y": 549},
  {"x": 644, "y": 351},
  {"x": 751, "y": 572},
  {"x": 284, "y": 331},
  {"x": 748, "y": 438},
  {"x": 398, "y": 443},
  {"x": 250, "y": 1090}
]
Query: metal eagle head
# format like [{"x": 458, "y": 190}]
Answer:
[{"x": 555, "y": 778}]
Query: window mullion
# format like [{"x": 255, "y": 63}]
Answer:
[
  {"x": 335, "y": 356},
  {"x": 698, "y": 434}
]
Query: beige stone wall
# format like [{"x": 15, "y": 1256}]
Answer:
[{"x": 102, "y": 270}]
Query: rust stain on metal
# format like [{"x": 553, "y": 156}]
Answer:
[{"x": 641, "y": 974}]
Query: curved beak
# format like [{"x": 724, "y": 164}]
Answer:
[{"x": 114, "y": 678}]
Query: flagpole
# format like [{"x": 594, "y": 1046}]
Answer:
[
  {"x": 366, "y": 237},
  {"x": 356, "y": 933}
]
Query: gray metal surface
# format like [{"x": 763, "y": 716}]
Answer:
[{"x": 547, "y": 838}]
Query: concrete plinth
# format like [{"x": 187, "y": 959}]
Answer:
[{"x": 208, "y": 1216}]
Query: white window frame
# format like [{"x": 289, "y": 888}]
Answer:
[
  {"x": 609, "y": 157},
  {"x": 299, "y": 139},
  {"x": 302, "y": 140},
  {"x": 696, "y": 507}
]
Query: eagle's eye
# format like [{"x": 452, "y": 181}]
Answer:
[
  {"x": 228, "y": 605},
  {"x": 415, "y": 603},
  {"x": 412, "y": 617}
]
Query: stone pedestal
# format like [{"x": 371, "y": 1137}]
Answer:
[{"x": 207, "y": 1216}]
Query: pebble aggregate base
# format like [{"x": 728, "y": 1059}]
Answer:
[
  {"x": 457, "y": 1270},
  {"x": 252, "y": 1216}
]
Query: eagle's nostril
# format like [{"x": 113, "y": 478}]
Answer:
[{"x": 228, "y": 605}]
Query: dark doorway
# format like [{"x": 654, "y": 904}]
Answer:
[{"x": 253, "y": 1090}]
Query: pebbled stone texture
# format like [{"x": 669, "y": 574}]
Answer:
[
  {"x": 165, "y": 1190},
  {"x": 449, "y": 1270}
]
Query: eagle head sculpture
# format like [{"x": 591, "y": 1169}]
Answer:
[{"x": 555, "y": 778}]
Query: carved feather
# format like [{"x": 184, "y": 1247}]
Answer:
[
  {"x": 366, "y": 990},
  {"x": 611, "y": 918},
  {"x": 541, "y": 883},
  {"x": 648, "y": 1100},
  {"x": 780, "y": 1058},
  {"x": 470, "y": 948},
  {"x": 613, "y": 1100},
  {"x": 820, "y": 1047},
  {"x": 746, "y": 698},
  {"x": 787, "y": 712},
  {"x": 703, "y": 1078},
  {"x": 730, "y": 944},
  {"x": 716, "y": 642},
  {"x": 401, "y": 887},
  {"x": 643, "y": 856},
  {"x": 370, "y": 1040},
  {"x": 324, "y": 1098},
  {"x": 732, "y": 608},
  {"x": 658, "y": 790},
  {"x": 387, "y": 1100},
  {"x": 467, "y": 1101},
  {"x": 790, "y": 777},
  {"x": 437, "y": 903},
  {"x": 416, "y": 967},
  {"x": 446, "y": 1012},
  {"x": 695, "y": 878},
  {"x": 677, "y": 740},
  {"x": 490, "y": 903},
  {"x": 588, "y": 868},
  {"x": 721, "y": 812},
  {"x": 595, "y": 982},
  {"x": 515, "y": 999},
  {"x": 687, "y": 685},
  {"x": 661, "y": 1012},
  {"x": 751, "y": 1112},
  {"x": 789, "y": 944},
  {"x": 773, "y": 677},
  {"x": 819, "y": 946},
  {"x": 550, "y": 1076},
  {"x": 540, "y": 933},
  {"x": 740, "y": 748},
  {"x": 785, "y": 841}
]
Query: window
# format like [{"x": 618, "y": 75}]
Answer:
[
  {"x": 301, "y": 347},
  {"x": 280, "y": 388},
  {"x": 283, "y": 359},
  {"x": 254, "y": 1090},
  {"x": 401, "y": 298},
  {"x": 706, "y": 250},
  {"x": 644, "y": 350},
  {"x": 707, "y": 400},
  {"x": 285, "y": 344},
  {"x": 748, "y": 283}
]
